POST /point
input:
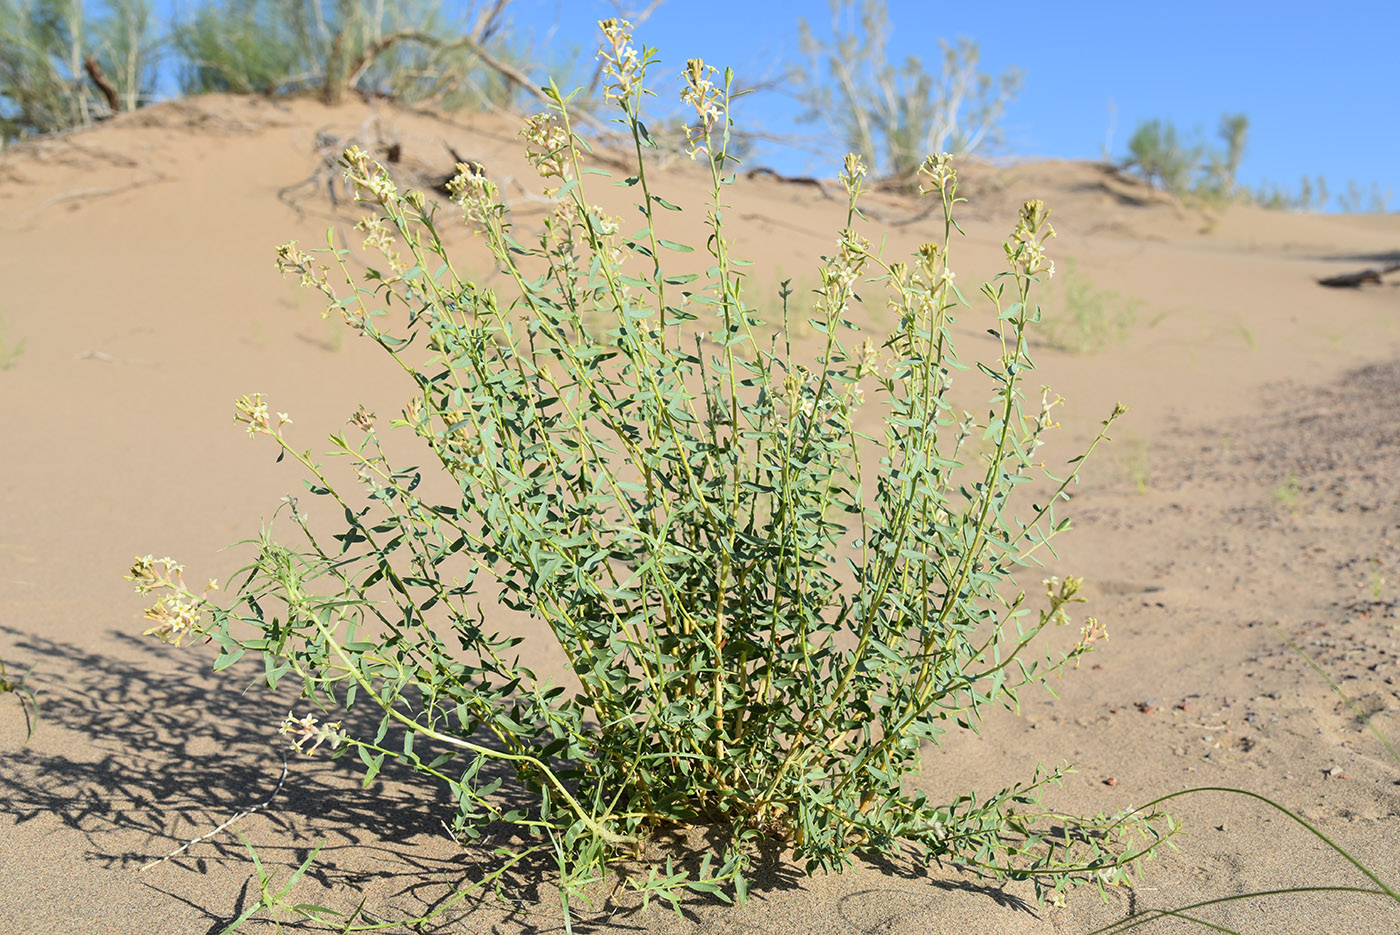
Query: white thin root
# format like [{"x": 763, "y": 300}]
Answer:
[{"x": 240, "y": 816}]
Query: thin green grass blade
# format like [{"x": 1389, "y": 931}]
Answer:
[{"x": 1356, "y": 709}]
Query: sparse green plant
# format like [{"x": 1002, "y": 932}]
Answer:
[
  {"x": 772, "y": 296},
  {"x": 1137, "y": 462},
  {"x": 894, "y": 115},
  {"x": 1377, "y": 581},
  {"x": 275, "y": 900},
  {"x": 28, "y": 701},
  {"x": 1382, "y": 889},
  {"x": 766, "y": 613},
  {"x": 10, "y": 349},
  {"x": 1289, "y": 493},
  {"x": 1083, "y": 319}
]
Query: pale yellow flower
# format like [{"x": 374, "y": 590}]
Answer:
[{"x": 306, "y": 729}]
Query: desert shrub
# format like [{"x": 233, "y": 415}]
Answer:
[
  {"x": 766, "y": 610},
  {"x": 1357, "y": 200},
  {"x": 1166, "y": 161},
  {"x": 1311, "y": 195},
  {"x": 408, "y": 50},
  {"x": 41, "y": 51},
  {"x": 1222, "y": 166},
  {"x": 127, "y": 45},
  {"x": 896, "y": 114},
  {"x": 53, "y": 51},
  {"x": 243, "y": 47}
]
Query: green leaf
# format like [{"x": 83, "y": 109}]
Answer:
[
  {"x": 227, "y": 659},
  {"x": 372, "y": 765}
]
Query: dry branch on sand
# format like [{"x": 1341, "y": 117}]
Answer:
[{"x": 1356, "y": 280}]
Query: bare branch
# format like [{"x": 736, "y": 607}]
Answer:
[
  {"x": 94, "y": 71},
  {"x": 489, "y": 21},
  {"x": 509, "y": 71}
]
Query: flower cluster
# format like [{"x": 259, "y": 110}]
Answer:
[
  {"x": 292, "y": 260},
  {"x": 1060, "y": 593},
  {"x": 1043, "y": 419},
  {"x": 940, "y": 173},
  {"x": 378, "y": 238},
  {"x": 600, "y": 228},
  {"x": 149, "y": 578},
  {"x": 369, "y": 476},
  {"x": 252, "y": 411},
  {"x": 305, "y": 729},
  {"x": 793, "y": 383},
  {"x": 1090, "y": 633},
  {"x": 547, "y": 146},
  {"x": 868, "y": 358},
  {"x": 931, "y": 256},
  {"x": 707, "y": 100},
  {"x": 1025, "y": 251},
  {"x": 840, "y": 273},
  {"x": 918, "y": 295},
  {"x": 175, "y": 615},
  {"x": 474, "y": 192},
  {"x": 174, "y": 618},
  {"x": 368, "y": 179},
  {"x": 622, "y": 66},
  {"x": 853, "y": 171},
  {"x": 362, "y": 419}
]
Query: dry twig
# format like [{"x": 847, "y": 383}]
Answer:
[{"x": 241, "y": 815}]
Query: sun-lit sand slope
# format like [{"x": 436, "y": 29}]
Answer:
[{"x": 1253, "y": 482}]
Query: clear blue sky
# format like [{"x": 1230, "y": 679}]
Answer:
[{"x": 1319, "y": 82}]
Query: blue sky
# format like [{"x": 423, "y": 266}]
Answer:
[
  {"x": 1312, "y": 78},
  {"x": 1318, "y": 81}
]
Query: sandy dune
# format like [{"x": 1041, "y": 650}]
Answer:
[{"x": 1254, "y": 482}]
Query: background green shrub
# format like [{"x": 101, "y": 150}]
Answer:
[
  {"x": 894, "y": 115},
  {"x": 1164, "y": 159},
  {"x": 49, "y": 50}
]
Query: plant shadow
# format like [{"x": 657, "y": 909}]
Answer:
[
  {"x": 169, "y": 751},
  {"x": 152, "y": 736}
]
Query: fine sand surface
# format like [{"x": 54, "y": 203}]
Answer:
[{"x": 1254, "y": 482}]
